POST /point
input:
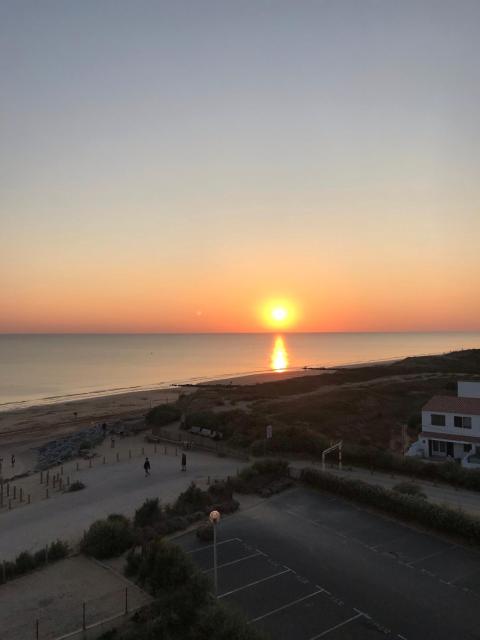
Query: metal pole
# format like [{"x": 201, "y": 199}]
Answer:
[
  {"x": 215, "y": 558},
  {"x": 84, "y": 618},
  {"x": 126, "y": 600}
]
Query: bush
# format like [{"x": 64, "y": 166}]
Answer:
[
  {"x": 85, "y": 444},
  {"x": 164, "y": 567},
  {"x": 407, "y": 507},
  {"x": 58, "y": 550},
  {"x": 24, "y": 563},
  {"x": 107, "y": 538},
  {"x": 148, "y": 514},
  {"x": 134, "y": 560},
  {"x": 163, "y": 414},
  {"x": 409, "y": 489},
  {"x": 192, "y": 499},
  {"x": 76, "y": 486},
  {"x": 205, "y": 532}
]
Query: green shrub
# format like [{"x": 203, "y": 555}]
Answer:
[
  {"x": 148, "y": 514},
  {"x": 24, "y": 563},
  {"x": 164, "y": 567},
  {"x": 58, "y": 550},
  {"x": 76, "y": 486},
  {"x": 407, "y": 507},
  {"x": 40, "y": 557},
  {"x": 132, "y": 566},
  {"x": 192, "y": 499},
  {"x": 205, "y": 532},
  {"x": 107, "y": 538},
  {"x": 163, "y": 414},
  {"x": 85, "y": 444},
  {"x": 409, "y": 489}
]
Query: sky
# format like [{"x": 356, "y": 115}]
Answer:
[{"x": 178, "y": 166}]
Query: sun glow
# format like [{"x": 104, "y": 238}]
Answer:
[
  {"x": 279, "y": 361},
  {"x": 279, "y": 314}
]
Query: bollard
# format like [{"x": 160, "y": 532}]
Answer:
[
  {"x": 118, "y": 457},
  {"x": 14, "y": 492},
  {"x": 48, "y": 477},
  {"x": 68, "y": 481},
  {"x": 129, "y": 454},
  {"x": 84, "y": 618},
  {"x": 104, "y": 460},
  {"x": 143, "y": 451},
  {"x": 126, "y": 600},
  {"x": 176, "y": 451},
  {"x": 60, "y": 484},
  {"x": 90, "y": 463},
  {"x": 28, "y": 499},
  {"x": 165, "y": 450},
  {"x": 78, "y": 467},
  {"x": 37, "y": 636},
  {"x": 21, "y": 494},
  {"x": 8, "y": 489},
  {"x": 41, "y": 477},
  {"x": 54, "y": 481},
  {"x": 9, "y": 504},
  {"x": 155, "y": 448},
  {"x": 46, "y": 493},
  {"x": 61, "y": 469}
]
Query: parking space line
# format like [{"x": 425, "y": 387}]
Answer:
[
  {"x": 251, "y": 584},
  {"x": 433, "y": 555},
  {"x": 227, "y": 564},
  {"x": 285, "y": 606},
  {"x": 210, "y": 546},
  {"x": 337, "y": 626}
]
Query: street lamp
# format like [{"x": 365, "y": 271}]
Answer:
[{"x": 215, "y": 519}]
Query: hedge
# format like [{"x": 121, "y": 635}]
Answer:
[
  {"x": 414, "y": 509},
  {"x": 26, "y": 562}
]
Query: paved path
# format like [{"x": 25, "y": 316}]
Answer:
[
  {"x": 440, "y": 493},
  {"x": 115, "y": 488}
]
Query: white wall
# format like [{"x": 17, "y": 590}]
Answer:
[
  {"x": 449, "y": 428},
  {"x": 469, "y": 389}
]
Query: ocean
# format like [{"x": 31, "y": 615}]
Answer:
[{"x": 38, "y": 369}]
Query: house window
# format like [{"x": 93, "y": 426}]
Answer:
[
  {"x": 437, "y": 419},
  {"x": 462, "y": 422},
  {"x": 438, "y": 447},
  {"x": 467, "y": 447}
]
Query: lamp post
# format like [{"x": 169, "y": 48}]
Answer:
[{"x": 215, "y": 519}]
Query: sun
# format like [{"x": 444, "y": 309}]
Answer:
[{"x": 279, "y": 314}]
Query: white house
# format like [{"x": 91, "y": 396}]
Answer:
[{"x": 451, "y": 427}]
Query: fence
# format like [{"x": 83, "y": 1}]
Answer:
[
  {"x": 80, "y": 620},
  {"x": 200, "y": 443}
]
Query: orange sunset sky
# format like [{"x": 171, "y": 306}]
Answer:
[{"x": 180, "y": 166}]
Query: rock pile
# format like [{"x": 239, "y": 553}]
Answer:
[{"x": 62, "y": 449}]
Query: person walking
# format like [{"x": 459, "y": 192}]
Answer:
[
  {"x": 146, "y": 466},
  {"x": 184, "y": 462}
]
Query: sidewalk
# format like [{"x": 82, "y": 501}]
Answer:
[
  {"x": 440, "y": 493},
  {"x": 117, "y": 487}
]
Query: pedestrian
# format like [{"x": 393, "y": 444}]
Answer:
[
  {"x": 13, "y": 459},
  {"x": 184, "y": 462},
  {"x": 146, "y": 466}
]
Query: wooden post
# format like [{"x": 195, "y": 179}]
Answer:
[
  {"x": 60, "y": 484},
  {"x": 104, "y": 460},
  {"x": 28, "y": 499},
  {"x": 143, "y": 451},
  {"x": 61, "y": 470},
  {"x": 21, "y": 494},
  {"x": 36, "y": 630},
  {"x": 54, "y": 481},
  {"x": 90, "y": 463},
  {"x": 176, "y": 453},
  {"x": 129, "y": 454},
  {"x": 46, "y": 493},
  {"x": 68, "y": 481},
  {"x": 48, "y": 476},
  {"x": 118, "y": 457},
  {"x": 126, "y": 600},
  {"x": 8, "y": 489},
  {"x": 9, "y": 504},
  {"x": 165, "y": 450},
  {"x": 84, "y": 617},
  {"x": 14, "y": 492},
  {"x": 41, "y": 477}
]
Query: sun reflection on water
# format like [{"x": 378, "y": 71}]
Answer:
[{"x": 279, "y": 358}]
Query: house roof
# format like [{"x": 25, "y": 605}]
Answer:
[
  {"x": 449, "y": 437},
  {"x": 453, "y": 404}
]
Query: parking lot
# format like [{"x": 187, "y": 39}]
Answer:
[
  {"x": 276, "y": 598},
  {"x": 306, "y": 565}
]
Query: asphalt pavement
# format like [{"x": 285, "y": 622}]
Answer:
[{"x": 305, "y": 565}]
